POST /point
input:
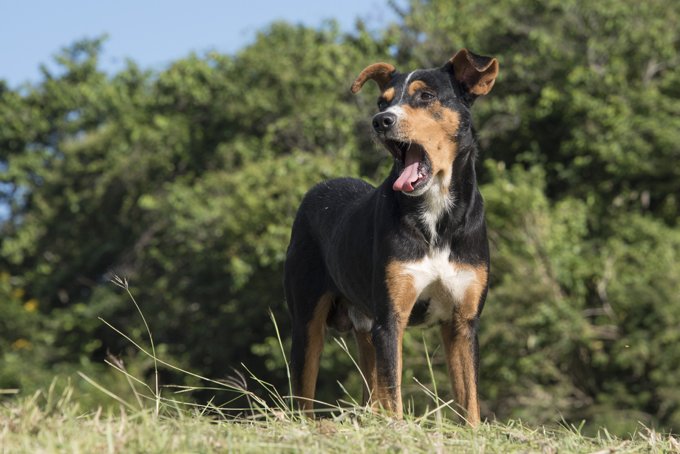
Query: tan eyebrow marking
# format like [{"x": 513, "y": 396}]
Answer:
[
  {"x": 388, "y": 95},
  {"x": 415, "y": 86}
]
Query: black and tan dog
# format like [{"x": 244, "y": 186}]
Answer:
[{"x": 413, "y": 250}]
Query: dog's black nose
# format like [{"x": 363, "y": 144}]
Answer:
[{"x": 383, "y": 121}]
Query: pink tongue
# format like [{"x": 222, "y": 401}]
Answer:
[{"x": 410, "y": 173}]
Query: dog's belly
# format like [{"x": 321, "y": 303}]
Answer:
[{"x": 430, "y": 309}]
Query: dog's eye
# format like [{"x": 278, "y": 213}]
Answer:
[
  {"x": 426, "y": 96},
  {"x": 382, "y": 104}
]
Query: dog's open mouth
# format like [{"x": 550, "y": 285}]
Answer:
[{"x": 413, "y": 165}]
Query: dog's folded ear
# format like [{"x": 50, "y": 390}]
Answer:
[
  {"x": 475, "y": 72},
  {"x": 381, "y": 73}
]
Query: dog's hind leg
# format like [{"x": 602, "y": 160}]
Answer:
[
  {"x": 367, "y": 365},
  {"x": 309, "y": 303},
  {"x": 308, "y": 338}
]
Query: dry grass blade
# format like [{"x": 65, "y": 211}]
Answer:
[{"x": 123, "y": 283}]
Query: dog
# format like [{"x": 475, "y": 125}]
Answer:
[{"x": 413, "y": 250}]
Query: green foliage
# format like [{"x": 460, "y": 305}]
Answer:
[
  {"x": 538, "y": 295},
  {"x": 584, "y": 105},
  {"x": 587, "y": 89},
  {"x": 186, "y": 181}
]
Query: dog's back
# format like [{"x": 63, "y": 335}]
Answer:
[
  {"x": 324, "y": 206},
  {"x": 331, "y": 229}
]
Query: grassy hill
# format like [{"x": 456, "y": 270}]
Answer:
[
  {"x": 52, "y": 421},
  {"x": 146, "y": 417}
]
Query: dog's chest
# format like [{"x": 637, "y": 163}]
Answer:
[{"x": 440, "y": 285}]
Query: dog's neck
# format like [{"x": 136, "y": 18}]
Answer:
[{"x": 442, "y": 211}]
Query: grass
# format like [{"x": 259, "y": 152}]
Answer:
[
  {"x": 152, "y": 419},
  {"x": 51, "y": 421}
]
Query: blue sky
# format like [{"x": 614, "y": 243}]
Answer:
[{"x": 154, "y": 32}]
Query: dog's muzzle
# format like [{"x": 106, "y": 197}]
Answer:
[{"x": 384, "y": 121}]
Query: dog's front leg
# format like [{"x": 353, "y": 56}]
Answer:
[
  {"x": 387, "y": 336},
  {"x": 459, "y": 335},
  {"x": 462, "y": 358}
]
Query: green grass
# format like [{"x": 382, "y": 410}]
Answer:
[
  {"x": 152, "y": 418},
  {"x": 51, "y": 421}
]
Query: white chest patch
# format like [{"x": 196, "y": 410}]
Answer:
[
  {"x": 436, "y": 203},
  {"x": 441, "y": 282}
]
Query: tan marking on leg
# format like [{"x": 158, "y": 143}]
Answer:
[
  {"x": 401, "y": 290},
  {"x": 388, "y": 95},
  {"x": 383, "y": 397},
  {"x": 468, "y": 308},
  {"x": 402, "y": 293},
  {"x": 316, "y": 329},
  {"x": 460, "y": 362},
  {"x": 367, "y": 365},
  {"x": 459, "y": 341}
]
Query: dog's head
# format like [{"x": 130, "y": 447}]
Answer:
[{"x": 423, "y": 114}]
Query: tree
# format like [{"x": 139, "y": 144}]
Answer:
[
  {"x": 588, "y": 95},
  {"x": 186, "y": 181}
]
